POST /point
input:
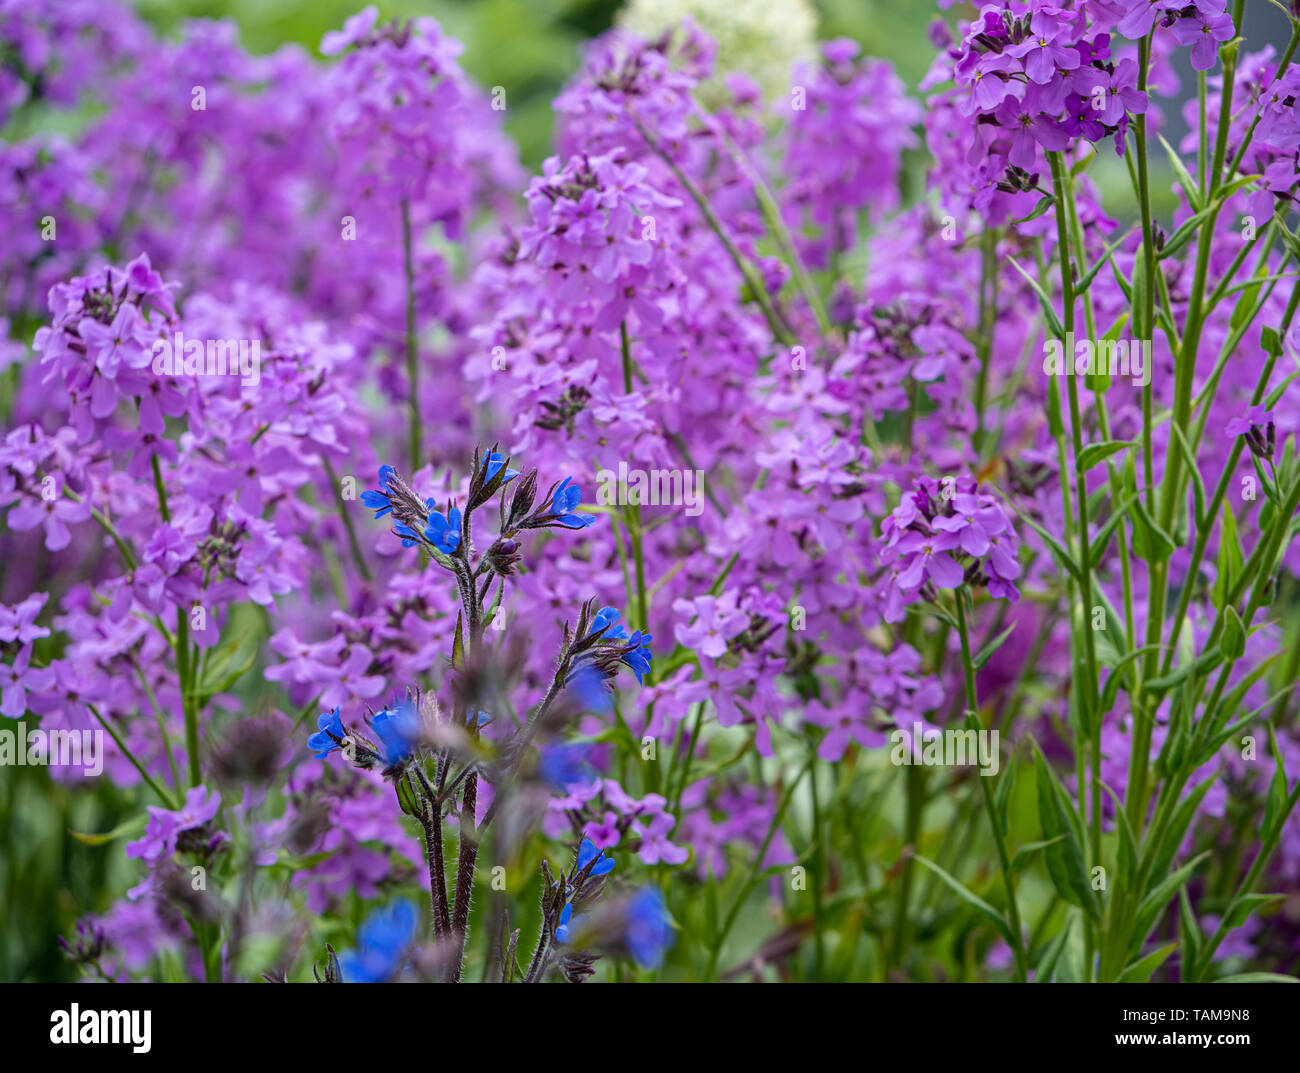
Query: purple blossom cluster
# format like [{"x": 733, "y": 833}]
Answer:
[{"x": 946, "y": 536}]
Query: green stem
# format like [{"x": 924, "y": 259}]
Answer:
[
  {"x": 1004, "y": 862},
  {"x": 412, "y": 356},
  {"x": 165, "y": 797},
  {"x": 755, "y": 872}
]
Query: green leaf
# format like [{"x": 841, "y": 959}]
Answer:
[
  {"x": 1115, "y": 679},
  {"x": 1150, "y": 542},
  {"x": 1158, "y": 899},
  {"x": 1177, "y": 829},
  {"x": 1062, "y": 828},
  {"x": 1276, "y": 806},
  {"x": 1189, "y": 460},
  {"x": 1206, "y": 662},
  {"x": 1258, "y": 978},
  {"x": 1106, "y": 257},
  {"x": 458, "y": 644},
  {"x": 1026, "y": 853},
  {"x": 1045, "y": 302},
  {"x": 1127, "y": 866},
  {"x": 1047, "y": 963},
  {"x": 1002, "y": 795},
  {"x": 1055, "y": 427},
  {"x": 1139, "y": 972},
  {"x": 1243, "y": 905},
  {"x": 1231, "y": 703},
  {"x": 1189, "y": 929},
  {"x": 1278, "y": 391},
  {"x": 1270, "y": 341},
  {"x": 969, "y": 897},
  {"x": 1044, "y": 204},
  {"x": 1058, "y": 550},
  {"x": 1184, "y": 234},
  {"x": 986, "y": 653},
  {"x": 1103, "y": 534},
  {"x": 1099, "y": 452},
  {"x": 1233, "y": 641},
  {"x": 1190, "y": 188},
  {"x": 126, "y": 827}
]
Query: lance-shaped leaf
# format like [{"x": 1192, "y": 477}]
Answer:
[
  {"x": 1064, "y": 856},
  {"x": 969, "y": 897}
]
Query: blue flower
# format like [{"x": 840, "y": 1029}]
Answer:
[
  {"x": 398, "y": 728},
  {"x": 587, "y": 687},
  {"x": 321, "y": 742},
  {"x": 648, "y": 929},
  {"x": 565, "y": 502},
  {"x": 607, "y": 616},
  {"x": 444, "y": 533},
  {"x": 493, "y": 466},
  {"x": 477, "y": 718},
  {"x": 379, "y": 501},
  {"x": 382, "y": 943},
  {"x": 567, "y": 924},
  {"x": 639, "y": 658},
  {"x": 587, "y": 852},
  {"x": 409, "y": 536},
  {"x": 563, "y": 765}
]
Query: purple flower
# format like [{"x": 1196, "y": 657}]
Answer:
[
  {"x": 109, "y": 346},
  {"x": 1044, "y": 54},
  {"x": 1204, "y": 33},
  {"x": 715, "y": 619},
  {"x": 18, "y": 679},
  {"x": 350, "y": 680},
  {"x": 165, "y": 826},
  {"x": 1258, "y": 429},
  {"x": 55, "y": 515},
  {"x": 1140, "y": 17},
  {"x": 18, "y": 623},
  {"x": 1030, "y": 128},
  {"x": 925, "y": 558},
  {"x": 1255, "y": 417}
]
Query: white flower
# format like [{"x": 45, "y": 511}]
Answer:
[{"x": 762, "y": 38}]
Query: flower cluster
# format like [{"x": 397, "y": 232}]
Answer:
[{"x": 944, "y": 535}]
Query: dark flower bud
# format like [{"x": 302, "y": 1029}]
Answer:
[
  {"x": 87, "y": 947},
  {"x": 333, "y": 974},
  {"x": 490, "y": 474},
  {"x": 407, "y": 799},
  {"x": 252, "y": 752},
  {"x": 1260, "y": 442},
  {"x": 503, "y": 557},
  {"x": 577, "y": 967},
  {"x": 521, "y": 504}
]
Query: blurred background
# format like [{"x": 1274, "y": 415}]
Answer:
[{"x": 532, "y": 46}]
